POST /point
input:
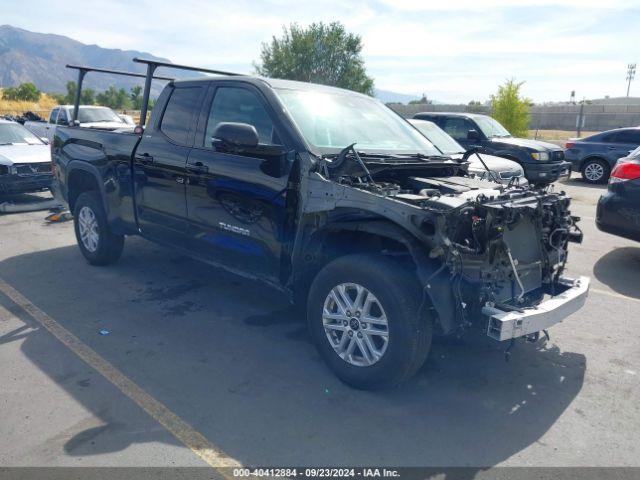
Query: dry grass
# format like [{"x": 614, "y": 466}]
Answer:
[
  {"x": 556, "y": 135},
  {"x": 42, "y": 107}
]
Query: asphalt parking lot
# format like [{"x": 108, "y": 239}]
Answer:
[{"x": 227, "y": 359}]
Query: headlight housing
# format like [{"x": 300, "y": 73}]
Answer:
[{"x": 542, "y": 156}]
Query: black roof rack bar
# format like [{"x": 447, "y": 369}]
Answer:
[
  {"x": 82, "y": 71},
  {"x": 151, "y": 68},
  {"x": 185, "y": 67}
]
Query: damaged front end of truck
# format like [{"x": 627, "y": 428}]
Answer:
[{"x": 486, "y": 255}]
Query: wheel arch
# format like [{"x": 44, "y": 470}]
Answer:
[
  {"x": 595, "y": 156},
  {"x": 378, "y": 235},
  {"x": 82, "y": 177}
]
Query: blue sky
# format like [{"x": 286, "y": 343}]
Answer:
[{"x": 451, "y": 51}]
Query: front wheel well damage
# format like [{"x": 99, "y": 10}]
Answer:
[{"x": 376, "y": 237}]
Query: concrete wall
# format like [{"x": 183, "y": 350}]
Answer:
[{"x": 550, "y": 117}]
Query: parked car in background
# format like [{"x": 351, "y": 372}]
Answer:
[
  {"x": 618, "y": 209},
  {"x": 542, "y": 162},
  {"x": 128, "y": 119},
  {"x": 89, "y": 116},
  {"x": 596, "y": 155},
  {"x": 25, "y": 160},
  {"x": 503, "y": 170}
]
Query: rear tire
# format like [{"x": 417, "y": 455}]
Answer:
[
  {"x": 98, "y": 244},
  {"x": 385, "y": 292},
  {"x": 595, "y": 171}
]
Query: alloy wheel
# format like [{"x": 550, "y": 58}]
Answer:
[
  {"x": 355, "y": 324},
  {"x": 88, "y": 229},
  {"x": 594, "y": 172}
]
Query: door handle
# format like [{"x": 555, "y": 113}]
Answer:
[
  {"x": 611, "y": 148},
  {"x": 144, "y": 158},
  {"x": 197, "y": 167}
]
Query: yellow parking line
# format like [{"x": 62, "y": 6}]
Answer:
[
  {"x": 613, "y": 294},
  {"x": 180, "y": 429}
]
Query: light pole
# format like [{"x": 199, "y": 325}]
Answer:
[{"x": 631, "y": 72}]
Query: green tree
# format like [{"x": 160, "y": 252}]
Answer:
[
  {"x": 87, "y": 96},
  {"x": 511, "y": 109},
  {"x": 321, "y": 53},
  {"x": 71, "y": 92},
  {"x": 136, "y": 97},
  {"x": 114, "y": 98},
  {"x": 423, "y": 101},
  {"x": 25, "y": 91},
  {"x": 475, "y": 106},
  {"x": 59, "y": 98}
]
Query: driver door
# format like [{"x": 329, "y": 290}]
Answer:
[{"x": 235, "y": 200}]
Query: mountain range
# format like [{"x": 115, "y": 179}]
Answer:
[{"x": 40, "y": 58}]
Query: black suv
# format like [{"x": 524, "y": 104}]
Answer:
[{"x": 542, "y": 162}]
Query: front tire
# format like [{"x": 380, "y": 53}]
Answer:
[
  {"x": 595, "y": 171},
  {"x": 98, "y": 244},
  {"x": 363, "y": 318}
]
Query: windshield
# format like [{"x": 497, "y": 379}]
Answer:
[
  {"x": 13, "y": 133},
  {"x": 491, "y": 127},
  {"x": 441, "y": 139},
  {"x": 330, "y": 121},
  {"x": 90, "y": 115}
]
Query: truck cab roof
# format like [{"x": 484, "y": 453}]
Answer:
[{"x": 269, "y": 82}]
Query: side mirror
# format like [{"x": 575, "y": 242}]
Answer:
[
  {"x": 232, "y": 135},
  {"x": 473, "y": 135}
]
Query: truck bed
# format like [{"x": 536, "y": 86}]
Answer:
[{"x": 105, "y": 157}]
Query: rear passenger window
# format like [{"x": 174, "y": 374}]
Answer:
[
  {"x": 177, "y": 117},
  {"x": 628, "y": 136},
  {"x": 232, "y": 104}
]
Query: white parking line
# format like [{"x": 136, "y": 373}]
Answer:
[{"x": 180, "y": 429}]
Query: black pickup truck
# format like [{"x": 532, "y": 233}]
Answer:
[
  {"x": 543, "y": 162},
  {"x": 327, "y": 195}
]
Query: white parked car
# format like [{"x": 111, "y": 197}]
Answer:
[
  {"x": 503, "y": 169},
  {"x": 89, "y": 116},
  {"x": 25, "y": 160}
]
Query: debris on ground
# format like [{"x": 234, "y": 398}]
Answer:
[
  {"x": 104, "y": 331},
  {"x": 59, "y": 217},
  {"x": 11, "y": 207}
]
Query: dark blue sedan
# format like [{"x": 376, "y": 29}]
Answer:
[
  {"x": 619, "y": 208},
  {"x": 596, "y": 155}
]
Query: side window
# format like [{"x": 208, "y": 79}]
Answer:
[
  {"x": 62, "y": 118},
  {"x": 182, "y": 105},
  {"x": 457, "y": 127},
  {"x": 233, "y": 104},
  {"x": 628, "y": 136},
  {"x": 53, "y": 115}
]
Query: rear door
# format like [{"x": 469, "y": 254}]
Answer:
[
  {"x": 159, "y": 166},
  {"x": 236, "y": 201},
  {"x": 621, "y": 143}
]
